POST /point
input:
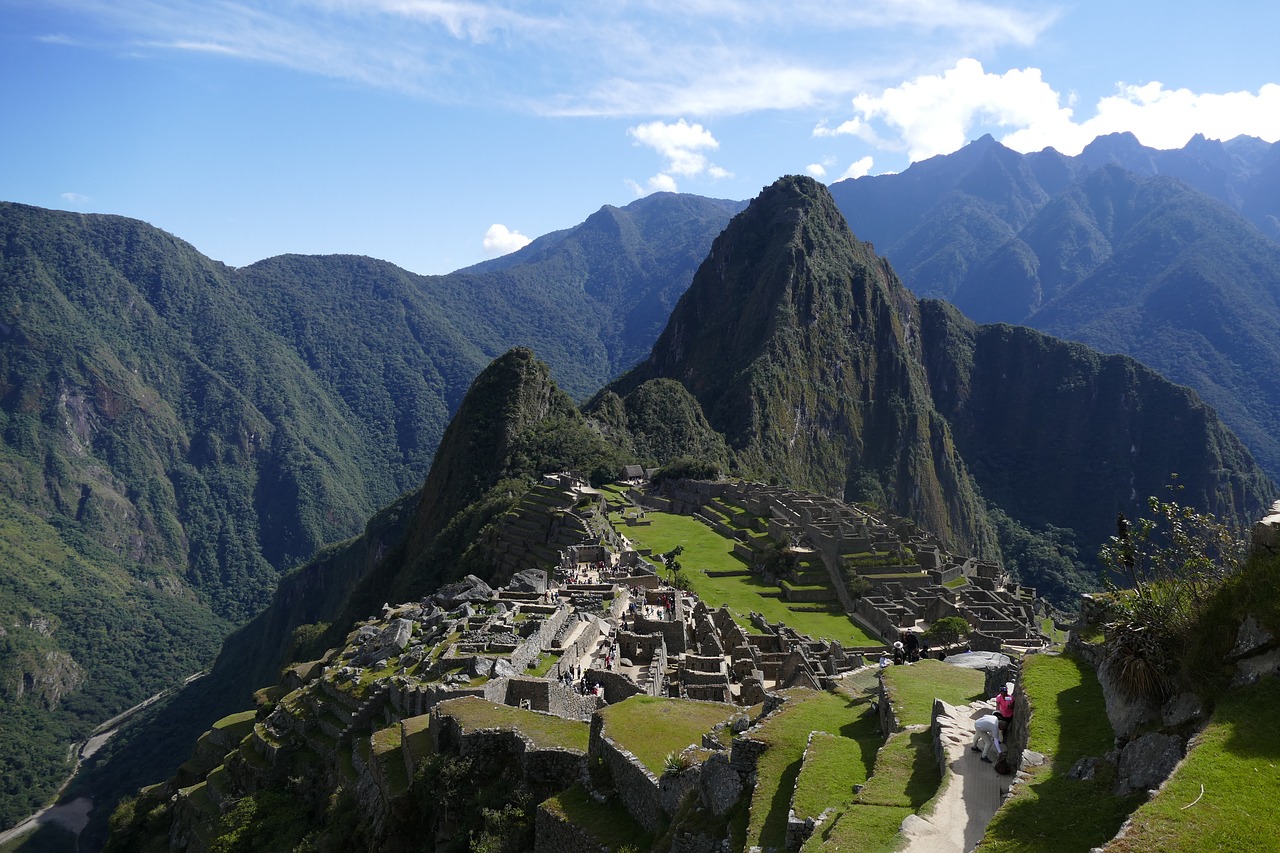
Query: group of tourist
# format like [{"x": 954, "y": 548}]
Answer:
[
  {"x": 910, "y": 648},
  {"x": 990, "y": 731}
]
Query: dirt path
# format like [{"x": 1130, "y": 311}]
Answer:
[{"x": 974, "y": 791}]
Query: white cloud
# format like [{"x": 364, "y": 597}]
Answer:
[
  {"x": 662, "y": 183},
  {"x": 75, "y": 198},
  {"x": 642, "y": 58},
  {"x": 937, "y": 114},
  {"x": 681, "y": 144},
  {"x": 857, "y": 169},
  {"x": 501, "y": 240},
  {"x": 816, "y": 170}
]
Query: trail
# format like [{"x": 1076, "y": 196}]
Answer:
[
  {"x": 973, "y": 791},
  {"x": 73, "y": 815}
]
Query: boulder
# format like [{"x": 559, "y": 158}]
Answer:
[
  {"x": 719, "y": 784},
  {"x": 1146, "y": 762},
  {"x": 1250, "y": 639},
  {"x": 388, "y": 643},
  {"x": 529, "y": 580},
  {"x": 481, "y": 666},
  {"x": 1251, "y": 669},
  {"x": 1181, "y": 709},
  {"x": 1126, "y": 715},
  {"x": 470, "y": 589},
  {"x": 502, "y": 668},
  {"x": 1085, "y": 769},
  {"x": 996, "y": 668}
]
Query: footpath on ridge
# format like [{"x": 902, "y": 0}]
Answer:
[{"x": 970, "y": 795}]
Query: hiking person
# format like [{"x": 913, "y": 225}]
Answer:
[
  {"x": 913, "y": 646},
  {"x": 986, "y": 734},
  {"x": 899, "y": 653}
]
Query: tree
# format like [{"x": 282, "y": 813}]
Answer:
[{"x": 948, "y": 630}]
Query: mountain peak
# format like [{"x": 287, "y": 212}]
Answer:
[{"x": 800, "y": 345}]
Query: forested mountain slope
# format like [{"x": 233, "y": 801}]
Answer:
[
  {"x": 174, "y": 433},
  {"x": 1168, "y": 256}
]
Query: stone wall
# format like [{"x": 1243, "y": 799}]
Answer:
[
  {"x": 637, "y": 785},
  {"x": 554, "y": 834}
]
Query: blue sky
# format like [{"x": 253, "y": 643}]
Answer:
[{"x": 437, "y": 133}]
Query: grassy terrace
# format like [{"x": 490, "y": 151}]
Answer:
[
  {"x": 608, "y": 823},
  {"x": 787, "y": 733},
  {"x": 913, "y": 688},
  {"x": 705, "y": 551},
  {"x": 1050, "y": 812},
  {"x": 473, "y": 713},
  {"x": 651, "y": 728},
  {"x": 905, "y": 776},
  {"x": 1237, "y": 760}
]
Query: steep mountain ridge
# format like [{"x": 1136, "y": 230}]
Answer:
[{"x": 816, "y": 377}]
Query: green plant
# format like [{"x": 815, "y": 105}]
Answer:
[
  {"x": 676, "y": 763},
  {"x": 948, "y": 630},
  {"x": 1174, "y": 563}
]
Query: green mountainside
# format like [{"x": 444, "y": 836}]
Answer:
[
  {"x": 175, "y": 433},
  {"x": 1060, "y": 439},
  {"x": 1167, "y": 256}
]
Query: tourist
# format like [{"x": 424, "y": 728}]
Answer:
[
  {"x": 913, "y": 646},
  {"x": 986, "y": 734},
  {"x": 899, "y": 653},
  {"x": 1004, "y": 707}
]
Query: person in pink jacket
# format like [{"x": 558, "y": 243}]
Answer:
[{"x": 1004, "y": 707}]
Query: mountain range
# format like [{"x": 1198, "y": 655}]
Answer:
[
  {"x": 178, "y": 433},
  {"x": 1168, "y": 256}
]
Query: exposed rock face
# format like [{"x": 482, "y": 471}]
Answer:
[
  {"x": 49, "y": 677},
  {"x": 1147, "y": 762},
  {"x": 1266, "y": 533}
]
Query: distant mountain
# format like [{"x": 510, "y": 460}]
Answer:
[
  {"x": 175, "y": 433},
  {"x": 1123, "y": 247}
]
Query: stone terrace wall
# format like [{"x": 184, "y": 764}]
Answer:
[
  {"x": 554, "y": 834},
  {"x": 637, "y": 786}
]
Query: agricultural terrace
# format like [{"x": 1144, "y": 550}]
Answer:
[
  {"x": 841, "y": 714},
  {"x": 545, "y": 730},
  {"x": 1223, "y": 796},
  {"x": 651, "y": 727},
  {"x": 707, "y": 551}
]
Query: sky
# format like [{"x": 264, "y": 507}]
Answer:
[{"x": 438, "y": 133}]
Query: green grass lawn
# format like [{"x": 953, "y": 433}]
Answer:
[
  {"x": 706, "y": 550},
  {"x": 1051, "y": 813},
  {"x": 787, "y": 733},
  {"x": 544, "y": 730},
  {"x": 651, "y": 728},
  {"x": 913, "y": 688},
  {"x": 1237, "y": 761}
]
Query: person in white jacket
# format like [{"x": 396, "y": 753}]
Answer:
[{"x": 986, "y": 734}]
